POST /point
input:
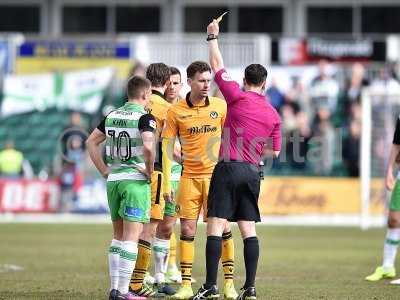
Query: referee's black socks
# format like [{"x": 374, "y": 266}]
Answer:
[
  {"x": 251, "y": 252},
  {"x": 213, "y": 255}
]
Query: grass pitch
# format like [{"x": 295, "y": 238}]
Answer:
[{"x": 68, "y": 261}]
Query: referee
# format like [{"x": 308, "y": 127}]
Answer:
[{"x": 250, "y": 125}]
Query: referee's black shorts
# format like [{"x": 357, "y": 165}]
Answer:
[{"x": 234, "y": 191}]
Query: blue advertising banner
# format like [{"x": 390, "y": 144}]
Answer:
[
  {"x": 61, "y": 56},
  {"x": 5, "y": 58},
  {"x": 91, "y": 198},
  {"x": 75, "y": 49}
]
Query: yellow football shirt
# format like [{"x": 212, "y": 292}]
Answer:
[
  {"x": 158, "y": 107},
  {"x": 199, "y": 129}
]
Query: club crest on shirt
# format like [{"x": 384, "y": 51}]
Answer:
[
  {"x": 214, "y": 114},
  {"x": 225, "y": 76}
]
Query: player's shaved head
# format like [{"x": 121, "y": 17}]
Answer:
[
  {"x": 255, "y": 74},
  {"x": 197, "y": 66},
  {"x": 158, "y": 74},
  {"x": 136, "y": 86}
]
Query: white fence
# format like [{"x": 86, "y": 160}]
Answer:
[{"x": 181, "y": 49}]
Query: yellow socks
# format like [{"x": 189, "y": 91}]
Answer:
[
  {"x": 187, "y": 256},
  {"x": 228, "y": 256},
  {"x": 142, "y": 265}
]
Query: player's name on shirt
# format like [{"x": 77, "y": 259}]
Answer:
[{"x": 119, "y": 123}]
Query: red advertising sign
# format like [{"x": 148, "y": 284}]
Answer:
[{"x": 29, "y": 196}]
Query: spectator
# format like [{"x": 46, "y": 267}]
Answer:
[
  {"x": 351, "y": 149},
  {"x": 325, "y": 135},
  {"x": 394, "y": 69},
  {"x": 298, "y": 94},
  {"x": 138, "y": 69},
  {"x": 289, "y": 126},
  {"x": 355, "y": 112},
  {"x": 356, "y": 83},
  {"x": 385, "y": 82},
  {"x": 324, "y": 89},
  {"x": 299, "y": 141},
  {"x": 288, "y": 113},
  {"x": 73, "y": 154},
  {"x": 73, "y": 140},
  {"x": 11, "y": 161},
  {"x": 276, "y": 97}
]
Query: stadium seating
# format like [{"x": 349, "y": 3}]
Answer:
[{"x": 34, "y": 134}]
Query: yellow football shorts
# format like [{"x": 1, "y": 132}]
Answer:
[{"x": 192, "y": 197}]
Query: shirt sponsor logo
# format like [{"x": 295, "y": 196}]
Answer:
[
  {"x": 213, "y": 114},
  {"x": 124, "y": 113},
  {"x": 202, "y": 129},
  {"x": 133, "y": 212}
]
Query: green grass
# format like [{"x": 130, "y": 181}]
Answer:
[{"x": 69, "y": 262}]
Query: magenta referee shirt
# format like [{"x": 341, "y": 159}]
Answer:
[{"x": 251, "y": 122}]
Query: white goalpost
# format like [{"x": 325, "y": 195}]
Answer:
[{"x": 380, "y": 110}]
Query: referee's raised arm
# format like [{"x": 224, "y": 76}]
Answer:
[
  {"x": 215, "y": 55},
  {"x": 229, "y": 88}
]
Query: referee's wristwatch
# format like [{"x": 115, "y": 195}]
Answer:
[{"x": 211, "y": 36}]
